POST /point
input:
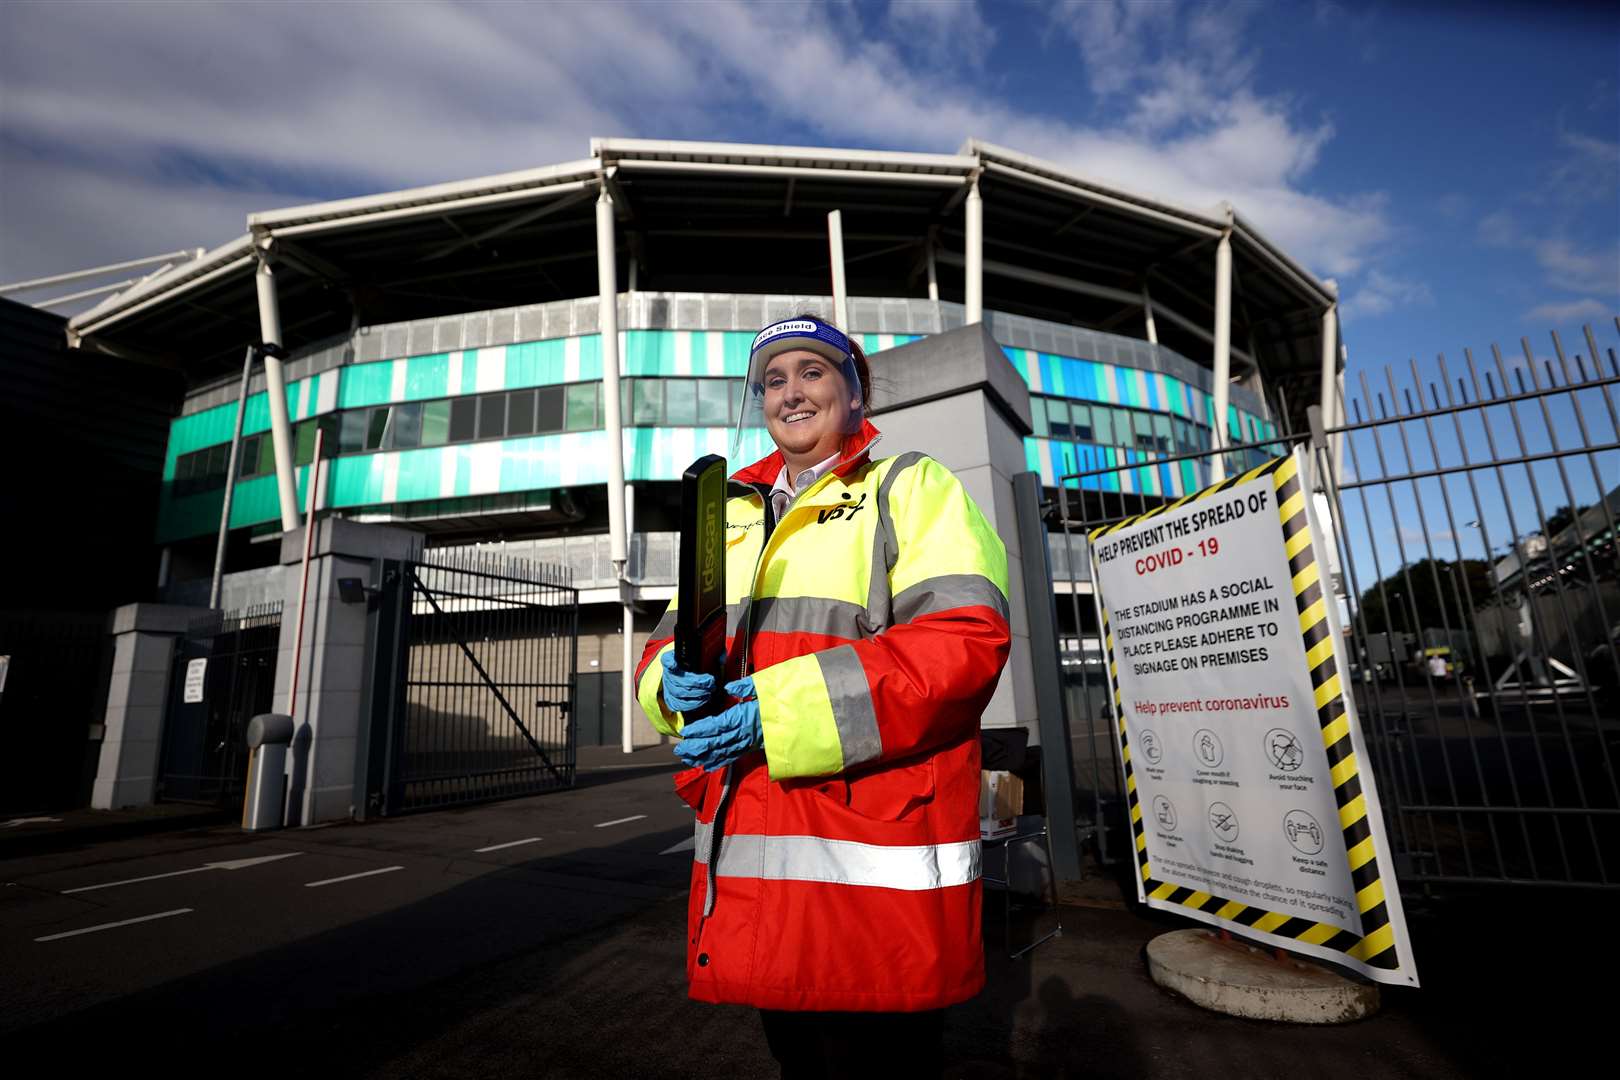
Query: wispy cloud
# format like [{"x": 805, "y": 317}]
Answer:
[
  {"x": 1381, "y": 293},
  {"x": 941, "y": 33},
  {"x": 199, "y": 112},
  {"x": 1571, "y": 311}
]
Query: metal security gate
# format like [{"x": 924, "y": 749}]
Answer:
[
  {"x": 1473, "y": 526},
  {"x": 476, "y": 700},
  {"x": 204, "y": 742}
]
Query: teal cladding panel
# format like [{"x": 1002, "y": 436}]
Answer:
[
  {"x": 736, "y": 352},
  {"x": 649, "y": 352},
  {"x": 365, "y": 384},
  {"x": 427, "y": 377}
]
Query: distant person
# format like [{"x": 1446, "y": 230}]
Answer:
[
  {"x": 836, "y": 882},
  {"x": 1437, "y": 667}
]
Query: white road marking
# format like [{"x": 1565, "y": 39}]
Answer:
[
  {"x": 509, "y": 843},
  {"x": 232, "y": 864},
  {"x": 620, "y": 821},
  {"x": 14, "y": 822},
  {"x": 685, "y": 845},
  {"x": 351, "y": 877},
  {"x": 114, "y": 925}
]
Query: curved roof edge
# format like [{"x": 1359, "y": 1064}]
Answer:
[
  {"x": 221, "y": 262},
  {"x": 433, "y": 195},
  {"x": 607, "y": 153},
  {"x": 610, "y": 151},
  {"x": 1219, "y": 217}
]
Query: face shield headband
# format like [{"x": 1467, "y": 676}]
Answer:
[{"x": 802, "y": 332}]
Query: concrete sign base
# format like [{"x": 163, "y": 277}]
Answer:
[{"x": 1233, "y": 977}]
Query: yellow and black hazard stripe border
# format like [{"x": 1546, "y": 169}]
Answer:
[{"x": 1375, "y": 946}]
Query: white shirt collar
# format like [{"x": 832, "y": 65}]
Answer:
[{"x": 800, "y": 483}]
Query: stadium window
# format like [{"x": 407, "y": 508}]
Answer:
[
  {"x": 435, "y": 423},
  {"x": 377, "y": 427},
  {"x": 219, "y": 460},
  {"x": 267, "y": 457},
  {"x": 520, "y": 412},
  {"x": 581, "y": 406},
  {"x": 492, "y": 416},
  {"x": 1102, "y": 426},
  {"x": 1082, "y": 421},
  {"x": 1122, "y": 427},
  {"x": 1161, "y": 432},
  {"x": 1037, "y": 416},
  {"x": 648, "y": 402},
  {"x": 1144, "y": 432},
  {"x": 713, "y": 406},
  {"x": 463, "y": 419},
  {"x": 407, "y": 427},
  {"x": 1057, "y": 418},
  {"x": 351, "y": 431},
  {"x": 247, "y": 464},
  {"x": 680, "y": 402},
  {"x": 548, "y": 409}
]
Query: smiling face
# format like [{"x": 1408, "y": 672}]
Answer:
[{"x": 809, "y": 407}]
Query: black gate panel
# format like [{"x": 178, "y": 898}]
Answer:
[
  {"x": 480, "y": 702},
  {"x": 204, "y": 743}
]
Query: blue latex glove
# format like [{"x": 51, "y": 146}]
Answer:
[
  {"x": 718, "y": 740},
  {"x": 685, "y": 690}
]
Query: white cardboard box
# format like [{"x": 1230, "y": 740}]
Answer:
[{"x": 1001, "y": 800}]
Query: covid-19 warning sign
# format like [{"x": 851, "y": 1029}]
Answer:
[{"x": 1252, "y": 805}]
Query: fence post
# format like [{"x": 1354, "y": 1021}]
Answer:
[{"x": 1052, "y": 710}]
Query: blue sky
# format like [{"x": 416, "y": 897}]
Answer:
[{"x": 1454, "y": 167}]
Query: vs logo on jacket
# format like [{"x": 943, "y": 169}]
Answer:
[{"x": 849, "y": 509}]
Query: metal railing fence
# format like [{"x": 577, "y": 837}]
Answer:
[{"x": 1472, "y": 520}]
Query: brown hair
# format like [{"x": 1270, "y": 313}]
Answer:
[{"x": 863, "y": 370}]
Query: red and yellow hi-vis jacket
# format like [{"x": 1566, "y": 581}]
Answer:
[{"x": 838, "y": 868}]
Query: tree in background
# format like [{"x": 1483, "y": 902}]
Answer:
[{"x": 1433, "y": 592}]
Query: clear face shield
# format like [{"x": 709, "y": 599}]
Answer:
[{"x": 802, "y": 391}]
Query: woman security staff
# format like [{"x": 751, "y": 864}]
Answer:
[{"x": 836, "y": 880}]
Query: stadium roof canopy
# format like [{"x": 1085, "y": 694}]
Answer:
[{"x": 720, "y": 217}]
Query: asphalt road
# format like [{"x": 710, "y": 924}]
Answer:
[{"x": 544, "y": 937}]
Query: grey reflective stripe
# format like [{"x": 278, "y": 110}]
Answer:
[
  {"x": 946, "y": 592},
  {"x": 851, "y": 700},
  {"x": 810, "y": 615},
  {"x": 735, "y": 614},
  {"x": 910, "y": 867},
  {"x": 665, "y": 627},
  {"x": 885, "y": 546}
]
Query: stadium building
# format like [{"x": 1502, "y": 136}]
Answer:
[{"x": 448, "y": 342}]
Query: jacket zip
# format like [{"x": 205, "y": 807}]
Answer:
[
  {"x": 747, "y": 633},
  {"x": 712, "y": 854}
]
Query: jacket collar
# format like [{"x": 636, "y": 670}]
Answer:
[{"x": 855, "y": 451}]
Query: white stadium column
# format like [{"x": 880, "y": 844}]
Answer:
[
  {"x": 275, "y": 388},
  {"x": 1330, "y": 374},
  {"x": 1147, "y": 314},
  {"x": 973, "y": 210},
  {"x": 840, "y": 288},
  {"x": 1221, "y": 375},
  {"x": 933, "y": 269},
  {"x": 607, "y": 321}
]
